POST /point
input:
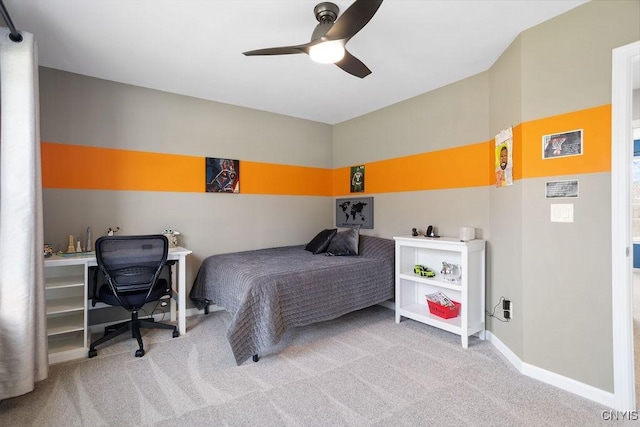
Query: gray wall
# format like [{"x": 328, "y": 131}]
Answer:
[
  {"x": 451, "y": 116},
  {"x": 566, "y": 61},
  {"x": 566, "y": 66},
  {"x": 505, "y": 255}
]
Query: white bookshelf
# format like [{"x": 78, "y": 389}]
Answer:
[
  {"x": 66, "y": 298},
  {"x": 469, "y": 290}
]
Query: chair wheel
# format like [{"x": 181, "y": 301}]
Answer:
[
  {"x": 176, "y": 334},
  {"x": 93, "y": 353},
  {"x": 139, "y": 352}
]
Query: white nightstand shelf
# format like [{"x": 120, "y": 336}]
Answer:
[{"x": 411, "y": 288}]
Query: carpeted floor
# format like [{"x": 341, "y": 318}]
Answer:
[{"x": 361, "y": 369}]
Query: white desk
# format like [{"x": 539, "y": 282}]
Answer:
[{"x": 66, "y": 283}]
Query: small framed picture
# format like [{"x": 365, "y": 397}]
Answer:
[
  {"x": 354, "y": 211},
  {"x": 222, "y": 175},
  {"x": 357, "y": 179},
  {"x": 561, "y": 189},
  {"x": 562, "y": 144}
]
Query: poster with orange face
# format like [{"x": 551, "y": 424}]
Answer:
[{"x": 503, "y": 158}]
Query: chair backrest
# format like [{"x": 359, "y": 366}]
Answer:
[{"x": 131, "y": 263}]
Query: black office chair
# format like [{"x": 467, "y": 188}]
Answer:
[{"x": 131, "y": 266}]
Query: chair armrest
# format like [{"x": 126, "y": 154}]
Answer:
[{"x": 94, "y": 286}]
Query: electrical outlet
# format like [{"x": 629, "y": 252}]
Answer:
[{"x": 508, "y": 309}]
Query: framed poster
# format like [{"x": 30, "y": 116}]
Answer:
[
  {"x": 222, "y": 175},
  {"x": 354, "y": 211},
  {"x": 562, "y": 144},
  {"x": 504, "y": 158},
  {"x": 357, "y": 179},
  {"x": 561, "y": 189}
]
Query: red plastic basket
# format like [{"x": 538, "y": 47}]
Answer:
[{"x": 442, "y": 311}]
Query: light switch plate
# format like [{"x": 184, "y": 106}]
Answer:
[{"x": 562, "y": 212}]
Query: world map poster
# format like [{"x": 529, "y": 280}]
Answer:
[{"x": 354, "y": 211}]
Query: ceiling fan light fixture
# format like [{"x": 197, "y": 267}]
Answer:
[
  {"x": 328, "y": 52},
  {"x": 330, "y": 36}
]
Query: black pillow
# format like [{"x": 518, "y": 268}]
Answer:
[
  {"x": 345, "y": 243},
  {"x": 319, "y": 244}
]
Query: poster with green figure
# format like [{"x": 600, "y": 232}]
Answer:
[{"x": 357, "y": 179}]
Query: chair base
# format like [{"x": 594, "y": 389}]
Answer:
[{"x": 134, "y": 326}]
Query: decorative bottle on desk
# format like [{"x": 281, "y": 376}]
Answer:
[{"x": 88, "y": 239}]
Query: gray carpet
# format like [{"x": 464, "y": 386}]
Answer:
[{"x": 361, "y": 369}]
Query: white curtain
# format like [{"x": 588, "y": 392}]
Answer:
[{"x": 23, "y": 336}]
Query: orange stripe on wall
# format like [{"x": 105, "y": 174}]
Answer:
[
  {"x": 517, "y": 152},
  {"x": 268, "y": 178},
  {"x": 473, "y": 165},
  {"x": 94, "y": 168},
  {"x": 82, "y": 167},
  {"x": 596, "y": 143},
  {"x": 457, "y": 167}
]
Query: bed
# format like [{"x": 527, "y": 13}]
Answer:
[{"x": 269, "y": 291}]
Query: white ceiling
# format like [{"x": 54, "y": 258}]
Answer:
[{"x": 194, "y": 47}]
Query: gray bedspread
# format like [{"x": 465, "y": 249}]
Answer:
[{"x": 271, "y": 290}]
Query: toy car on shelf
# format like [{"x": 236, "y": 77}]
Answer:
[{"x": 421, "y": 270}]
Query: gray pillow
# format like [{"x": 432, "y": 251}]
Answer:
[
  {"x": 345, "y": 243},
  {"x": 319, "y": 244}
]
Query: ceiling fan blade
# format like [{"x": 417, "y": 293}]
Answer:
[
  {"x": 284, "y": 50},
  {"x": 353, "y": 65},
  {"x": 353, "y": 19}
]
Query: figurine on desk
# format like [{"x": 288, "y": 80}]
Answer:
[
  {"x": 88, "y": 248},
  {"x": 172, "y": 236},
  {"x": 111, "y": 231},
  {"x": 77, "y": 247},
  {"x": 431, "y": 232}
]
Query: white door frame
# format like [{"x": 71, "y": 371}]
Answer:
[{"x": 624, "y": 60}]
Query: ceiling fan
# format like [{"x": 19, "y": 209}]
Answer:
[{"x": 330, "y": 36}]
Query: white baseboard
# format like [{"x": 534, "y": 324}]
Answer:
[
  {"x": 506, "y": 351},
  {"x": 562, "y": 382}
]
